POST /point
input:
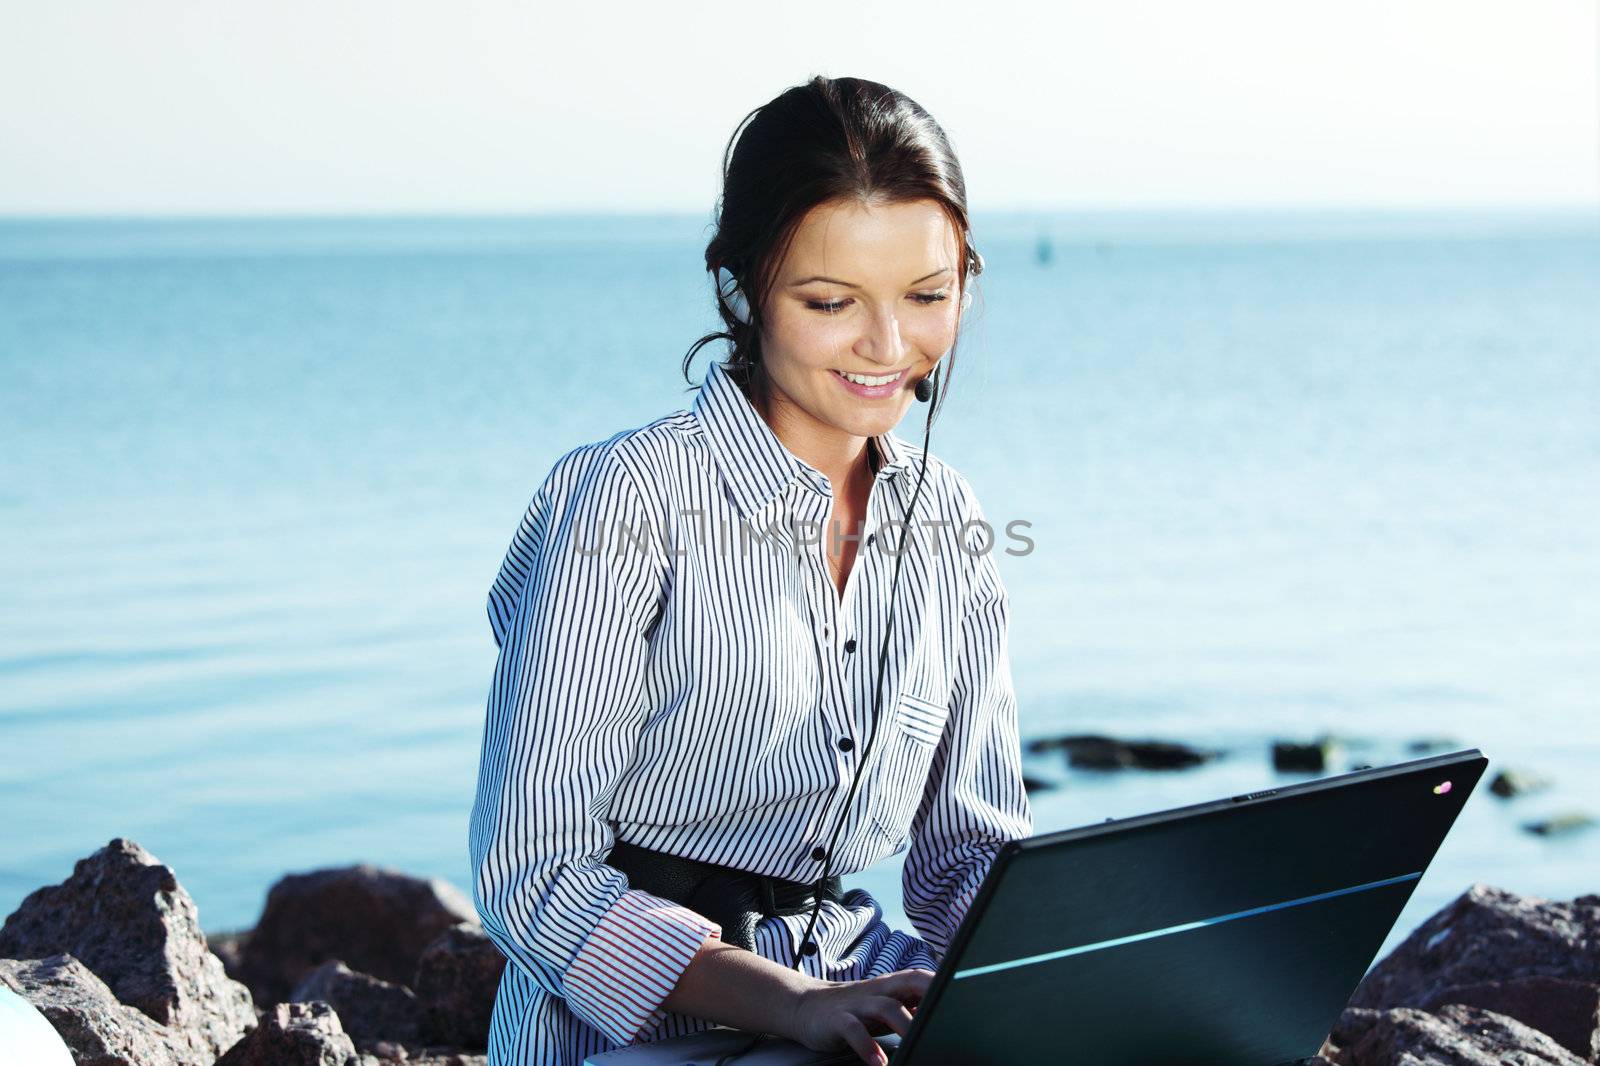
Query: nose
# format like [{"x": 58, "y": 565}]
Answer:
[{"x": 881, "y": 342}]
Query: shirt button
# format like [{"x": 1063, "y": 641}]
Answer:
[
  {"x": 808, "y": 948},
  {"x": 827, "y": 632},
  {"x": 850, "y": 645},
  {"x": 819, "y": 853},
  {"x": 870, "y": 538},
  {"x": 845, "y": 743}
]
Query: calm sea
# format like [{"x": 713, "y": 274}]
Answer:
[{"x": 1285, "y": 474}]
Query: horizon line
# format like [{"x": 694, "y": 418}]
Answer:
[{"x": 487, "y": 214}]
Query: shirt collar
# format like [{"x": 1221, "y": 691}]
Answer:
[{"x": 754, "y": 462}]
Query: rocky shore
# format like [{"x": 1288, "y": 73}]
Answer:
[
  {"x": 361, "y": 966},
  {"x": 356, "y": 966}
]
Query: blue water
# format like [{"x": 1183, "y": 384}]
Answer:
[{"x": 1285, "y": 474}]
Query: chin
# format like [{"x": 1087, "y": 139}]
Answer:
[{"x": 870, "y": 427}]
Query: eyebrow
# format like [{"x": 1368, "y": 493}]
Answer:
[{"x": 853, "y": 285}]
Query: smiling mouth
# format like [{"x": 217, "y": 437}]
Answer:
[{"x": 871, "y": 380}]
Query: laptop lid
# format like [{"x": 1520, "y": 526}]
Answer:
[{"x": 1231, "y": 932}]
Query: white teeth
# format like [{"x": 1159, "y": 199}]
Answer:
[{"x": 863, "y": 379}]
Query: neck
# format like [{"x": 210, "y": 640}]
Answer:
[{"x": 843, "y": 459}]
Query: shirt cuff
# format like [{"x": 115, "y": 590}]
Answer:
[
  {"x": 962, "y": 903},
  {"x": 632, "y": 961},
  {"x": 941, "y": 929}
]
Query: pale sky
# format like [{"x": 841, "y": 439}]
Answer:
[{"x": 293, "y": 106}]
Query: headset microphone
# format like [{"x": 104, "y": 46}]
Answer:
[{"x": 928, "y": 387}]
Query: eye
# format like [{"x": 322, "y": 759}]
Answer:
[
  {"x": 833, "y": 307},
  {"x": 827, "y": 307}
]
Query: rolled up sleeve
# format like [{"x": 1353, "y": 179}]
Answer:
[
  {"x": 572, "y": 610},
  {"x": 974, "y": 801}
]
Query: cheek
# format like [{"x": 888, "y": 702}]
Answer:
[
  {"x": 932, "y": 333},
  {"x": 816, "y": 340}
]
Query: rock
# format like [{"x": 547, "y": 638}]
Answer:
[
  {"x": 295, "y": 1034},
  {"x": 1108, "y": 753},
  {"x": 1292, "y": 757},
  {"x": 384, "y": 1054},
  {"x": 377, "y": 921},
  {"x": 1508, "y": 783},
  {"x": 1353, "y": 1024},
  {"x": 229, "y": 947},
  {"x": 1560, "y": 825},
  {"x": 369, "y": 1009},
  {"x": 1457, "y": 1035},
  {"x": 1034, "y": 784},
  {"x": 99, "y": 1029},
  {"x": 421, "y": 1057},
  {"x": 1487, "y": 935},
  {"x": 123, "y": 915},
  {"x": 1423, "y": 745},
  {"x": 456, "y": 982},
  {"x": 1566, "y": 1011}
]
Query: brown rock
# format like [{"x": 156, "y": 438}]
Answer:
[
  {"x": 1094, "y": 752},
  {"x": 1566, "y": 1011},
  {"x": 456, "y": 982},
  {"x": 1560, "y": 825},
  {"x": 376, "y": 921},
  {"x": 98, "y": 1028},
  {"x": 1457, "y": 1035},
  {"x": 1487, "y": 935},
  {"x": 1513, "y": 782},
  {"x": 124, "y": 916},
  {"x": 423, "y": 1057},
  {"x": 1352, "y": 1025},
  {"x": 369, "y": 1009},
  {"x": 1290, "y": 756},
  {"x": 229, "y": 947},
  {"x": 295, "y": 1034}
]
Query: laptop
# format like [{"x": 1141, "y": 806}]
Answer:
[{"x": 1226, "y": 933}]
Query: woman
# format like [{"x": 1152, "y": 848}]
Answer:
[{"x": 693, "y": 678}]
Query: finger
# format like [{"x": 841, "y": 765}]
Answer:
[
  {"x": 914, "y": 983},
  {"x": 861, "y": 1042},
  {"x": 918, "y": 979},
  {"x": 894, "y": 1014}
]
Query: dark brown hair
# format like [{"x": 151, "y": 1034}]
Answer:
[{"x": 831, "y": 138}]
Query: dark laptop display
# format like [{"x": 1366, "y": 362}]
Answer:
[{"x": 1229, "y": 933}]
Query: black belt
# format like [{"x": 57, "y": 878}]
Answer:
[{"x": 735, "y": 899}]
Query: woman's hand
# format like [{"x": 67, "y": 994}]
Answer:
[{"x": 838, "y": 1014}]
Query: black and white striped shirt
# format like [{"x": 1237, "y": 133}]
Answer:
[{"x": 678, "y": 670}]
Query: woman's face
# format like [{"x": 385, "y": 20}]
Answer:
[{"x": 866, "y": 290}]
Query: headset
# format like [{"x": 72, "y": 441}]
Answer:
[{"x": 927, "y": 391}]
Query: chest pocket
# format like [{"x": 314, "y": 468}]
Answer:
[{"x": 902, "y": 775}]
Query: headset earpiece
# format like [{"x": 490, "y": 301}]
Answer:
[{"x": 732, "y": 296}]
